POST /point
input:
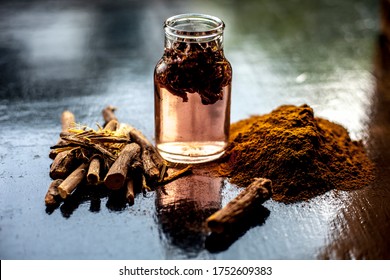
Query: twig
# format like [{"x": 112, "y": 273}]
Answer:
[{"x": 186, "y": 170}]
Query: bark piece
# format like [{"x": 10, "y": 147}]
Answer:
[
  {"x": 112, "y": 125},
  {"x": 138, "y": 137},
  {"x": 67, "y": 120},
  {"x": 130, "y": 191},
  {"x": 99, "y": 148},
  {"x": 144, "y": 186},
  {"x": 151, "y": 170},
  {"x": 52, "y": 195},
  {"x": 117, "y": 173},
  {"x": 151, "y": 158},
  {"x": 93, "y": 175},
  {"x": 53, "y": 154},
  {"x": 72, "y": 181},
  {"x": 63, "y": 165},
  {"x": 253, "y": 195},
  {"x": 108, "y": 114}
]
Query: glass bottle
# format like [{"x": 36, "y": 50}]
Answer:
[{"x": 192, "y": 84}]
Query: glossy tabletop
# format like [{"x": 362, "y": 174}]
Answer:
[{"x": 84, "y": 55}]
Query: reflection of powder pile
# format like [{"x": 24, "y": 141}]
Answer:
[{"x": 302, "y": 155}]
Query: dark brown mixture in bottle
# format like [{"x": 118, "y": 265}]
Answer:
[
  {"x": 195, "y": 68},
  {"x": 303, "y": 155}
]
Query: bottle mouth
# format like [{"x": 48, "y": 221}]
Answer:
[{"x": 194, "y": 27}]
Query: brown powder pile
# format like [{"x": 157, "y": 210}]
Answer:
[{"x": 303, "y": 155}]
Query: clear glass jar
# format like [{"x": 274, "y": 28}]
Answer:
[{"x": 192, "y": 84}]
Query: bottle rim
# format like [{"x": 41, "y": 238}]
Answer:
[{"x": 194, "y": 27}]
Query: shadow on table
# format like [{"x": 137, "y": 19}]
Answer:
[
  {"x": 218, "y": 242},
  {"x": 116, "y": 200}
]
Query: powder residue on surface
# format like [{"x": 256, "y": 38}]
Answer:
[{"x": 303, "y": 155}]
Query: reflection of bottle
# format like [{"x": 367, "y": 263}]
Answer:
[
  {"x": 182, "y": 208},
  {"x": 192, "y": 90}
]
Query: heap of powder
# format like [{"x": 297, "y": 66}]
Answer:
[{"x": 303, "y": 155}]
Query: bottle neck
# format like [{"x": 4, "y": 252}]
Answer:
[
  {"x": 177, "y": 43},
  {"x": 189, "y": 30}
]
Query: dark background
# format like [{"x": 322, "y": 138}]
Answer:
[{"x": 84, "y": 55}]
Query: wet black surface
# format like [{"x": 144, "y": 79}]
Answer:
[{"x": 84, "y": 55}]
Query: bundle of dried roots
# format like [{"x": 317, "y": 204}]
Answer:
[{"x": 115, "y": 155}]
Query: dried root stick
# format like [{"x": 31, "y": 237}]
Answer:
[
  {"x": 256, "y": 193},
  {"x": 93, "y": 175},
  {"x": 130, "y": 191},
  {"x": 63, "y": 161},
  {"x": 67, "y": 120},
  {"x": 63, "y": 165},
  {"x": 72, "y": 181},
  {"x": 138, "y": 137},
  {"x": 151, "y": 171},
  {"x": 112, "y": 125},
  {"x": 52, "y": 195},
  {"x": 116, "y": 175},
  {"x": 153, "y": 161},
  {"x": 108, "y": 114}
]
